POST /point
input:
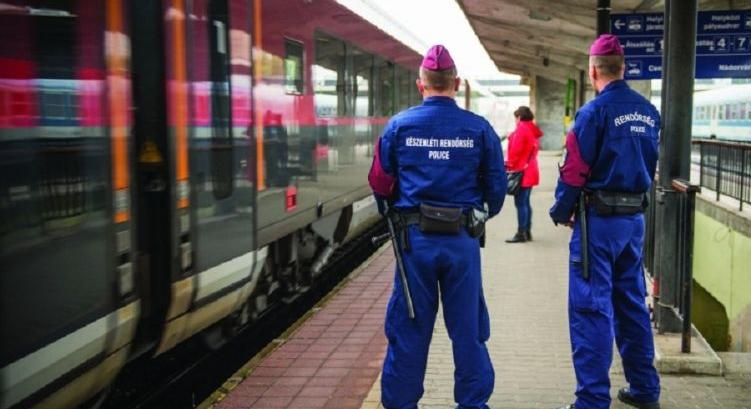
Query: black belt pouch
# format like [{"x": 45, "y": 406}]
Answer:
[
  {"x": 445, "y": 220},
  {"x": 618, "y": 203}
]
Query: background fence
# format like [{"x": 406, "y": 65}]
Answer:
[{"x": 724, "y": 167}]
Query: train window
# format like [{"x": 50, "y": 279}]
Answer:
[
  {"x": 329, "y": 85},
  {"x": 293, "y": 67},
  {"x": 721, "y": 112},
  {"x": 386, "y": 89},
  {"x": 362, "y": 83},
  {"x": 221, "y": 190},
  {"x": 55, "y": 164},
  {"x": 221, "y": 131}
]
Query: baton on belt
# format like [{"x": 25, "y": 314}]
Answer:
[
  {"x": 584, "y": 237},
  {"x": 399, "y": 260}
]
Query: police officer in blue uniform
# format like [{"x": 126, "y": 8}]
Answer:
[
  {"x": 611, "y": 155},
  {"x": 439, "y": 166}
]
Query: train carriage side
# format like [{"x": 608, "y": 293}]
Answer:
[
  {"x": 326, "y": 83},
  {"x": 68, "y": 301},
  {"x": 282, "y": 170},
  {"x": 724, "y": 113},
  {"x": 227, "y": 182}
]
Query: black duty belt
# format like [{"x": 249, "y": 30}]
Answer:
[
  {"x": 616, "y": 203},
  {"x": 441, "y": 220},
  {"x": 414, "y": 218}
]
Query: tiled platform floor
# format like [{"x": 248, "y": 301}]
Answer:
[{"x": 333, "y": 358}]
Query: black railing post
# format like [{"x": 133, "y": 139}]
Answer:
[
  {"x": 687, "y": 193},
  {"x": 718, "y": 171},
  {"x": 743, "y": 176},
  {"x": 701, "y": 164}
]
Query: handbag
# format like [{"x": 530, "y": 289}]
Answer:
[{"x": 514, "y": 182}]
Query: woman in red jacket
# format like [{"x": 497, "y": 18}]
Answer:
[{"x": 523, "y": 146}]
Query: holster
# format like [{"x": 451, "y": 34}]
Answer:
[
  {"x": 617, "y": 203},
  {"x": 443, "y": 220},
  {"x": 476, "y": 224}
]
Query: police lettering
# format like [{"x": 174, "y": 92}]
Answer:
[
  {"x": 441, "y": 155},
  {"x": 416, "y": 142},
  {"x": 639, "y": 129},
  {"x": 635, "y": 117}
]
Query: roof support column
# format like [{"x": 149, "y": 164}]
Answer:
[
  {"x": 603, "y": 17},
  {"x": 675, "y": 147}
]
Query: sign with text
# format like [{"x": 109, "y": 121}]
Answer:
[{"x": 723, "y": 48}]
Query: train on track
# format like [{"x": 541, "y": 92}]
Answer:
[
  {"x": 723, "y": 112},
  {"x": 173, "y": 168}
]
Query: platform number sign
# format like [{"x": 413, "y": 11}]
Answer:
[
  {"x": 723, "y": 48},
  {"x": 741, "y": 43}
]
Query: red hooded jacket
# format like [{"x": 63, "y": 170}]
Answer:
[{"x": 523, "y": 146}]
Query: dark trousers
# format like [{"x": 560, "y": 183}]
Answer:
[
  {"x": 610, "y": 305},
  {"x": 523, "y": 208},
  {"x": 444, "y": 267}
]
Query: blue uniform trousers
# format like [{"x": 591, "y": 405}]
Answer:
[
  {"x": 447, "y": 266},
  {"x": 611, "y": 304}
]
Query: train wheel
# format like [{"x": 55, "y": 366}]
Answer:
[
  {"x": 219, "y": 334},
  {"x": 97, "y": 401},
  {"x": 214, "y": 338}
]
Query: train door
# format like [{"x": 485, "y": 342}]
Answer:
[
  {"x": 195, "y": 165},
  {"x": 68, "y": 305}
]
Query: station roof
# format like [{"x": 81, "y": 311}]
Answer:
[{"x": 551, "y": 38}]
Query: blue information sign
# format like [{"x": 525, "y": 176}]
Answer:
[{"x": 723, "y": 44}]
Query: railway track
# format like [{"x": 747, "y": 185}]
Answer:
[{"x": 183, "y": 378}]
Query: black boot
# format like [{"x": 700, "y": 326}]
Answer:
[
  {"x": 519, "y": 237},
  {"x": 528, "y": 235},
  {"x": 567, "y": 407},
  {"x": 625, "y": 396}
]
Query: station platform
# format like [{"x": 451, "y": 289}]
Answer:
[{"x": 333, "y": 357}]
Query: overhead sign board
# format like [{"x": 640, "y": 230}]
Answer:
[{"x": 723, "y": 44}]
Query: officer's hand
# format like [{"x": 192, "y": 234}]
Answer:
[{"x": 568, "y": 223}]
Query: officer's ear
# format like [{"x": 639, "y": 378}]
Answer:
[
  {"x": 457, "y": 83},
  {"x": 592, "y": 74},
  {"x": 420, "y": 86}
]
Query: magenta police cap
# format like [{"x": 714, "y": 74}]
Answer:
[
  {"x": 437, "y": 59},
  {"x": 606, "y": 44}
]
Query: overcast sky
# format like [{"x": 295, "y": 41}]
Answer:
[{"x": 422, "y": 23}]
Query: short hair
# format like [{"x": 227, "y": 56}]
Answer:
[
  {"x": 610, "y": 66},
  {"x": 524, "y": 113},
  {"x": 442, "y": 80}
]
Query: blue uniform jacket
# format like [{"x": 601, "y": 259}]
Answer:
[
  {"x": 612, "y": 146},
  {"x": 442, "y": 155}
]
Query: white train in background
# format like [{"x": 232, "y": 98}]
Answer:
[{"x": 724, "y": 113}]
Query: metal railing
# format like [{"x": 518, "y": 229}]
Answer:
[
  {"x": 725, "y": 167},
  {"x": 679, "y": 276},
  {"x": 686, "y": 205}
]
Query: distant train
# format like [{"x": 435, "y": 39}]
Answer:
[
  {"x": 724, "y": 113},
  {"x": 172, "y": 168}
]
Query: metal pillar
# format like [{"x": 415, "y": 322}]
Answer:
[
  {"x": 675, "y": 147},
  {"x": 603, "y": 17},
  {"x": 665, "y": 48}
]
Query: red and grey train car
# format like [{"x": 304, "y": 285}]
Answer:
[{"x": 171, "y": 168}]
